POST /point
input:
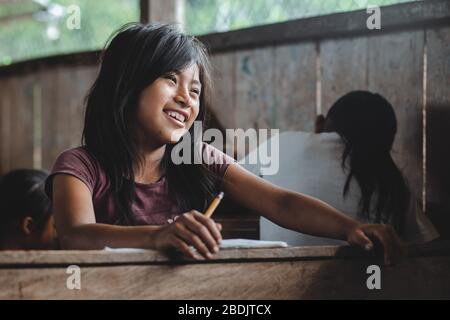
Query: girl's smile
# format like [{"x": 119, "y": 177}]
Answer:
[
  {"x": 168, "y": 107},
  {"x": 177, "y": 116}
]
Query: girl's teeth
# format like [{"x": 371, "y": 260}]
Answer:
[{"x": 176, "y": 115}]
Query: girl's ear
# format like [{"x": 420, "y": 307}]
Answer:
[{"x": 27, "y": 225}]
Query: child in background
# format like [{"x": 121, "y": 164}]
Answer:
[
  {"x": 122, "y": 189},
  {"x": 25, "y": 212},
  {"x": 348, "y": 164}
]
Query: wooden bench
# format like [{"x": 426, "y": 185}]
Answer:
[{"x": 281, "y": 273}]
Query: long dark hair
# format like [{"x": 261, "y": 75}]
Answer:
[
  {"x": 134, "y": 57},
  {"x": 22, "y": 194},
  {"x": 367, "y": 125}
]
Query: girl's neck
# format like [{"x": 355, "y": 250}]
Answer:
[{"x": 150, "y": 170}]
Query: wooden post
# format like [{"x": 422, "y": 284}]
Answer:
[{"x": 165, "y": 11}]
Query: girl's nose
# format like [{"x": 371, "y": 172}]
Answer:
[{"x": 183, "y": 100}]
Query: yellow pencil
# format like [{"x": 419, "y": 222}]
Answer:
[{"x": 214, "y": 205}]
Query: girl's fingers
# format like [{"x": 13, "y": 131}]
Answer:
[
  {"x": 392, "y": 244},
  {"x": 210, "y": 224},
  {"x": 397, "y": 244},
  {"x": 203, "y": 232},
  {"x": 183, "y": 247},
  {"x": 362, "y": 240},
  {"x": 387, "y": 245},
  {"x": 191, "y": 238}
]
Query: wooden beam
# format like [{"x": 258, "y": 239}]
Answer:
[
  {"x": 41, "y": 258},
  {"x": 414, "y": 15},
  {"x": 284, "y": 273},
  {"x": 165, "y": 11},
  {"x": 91, "y": 58}
]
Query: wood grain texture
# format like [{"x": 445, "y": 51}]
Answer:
[
  {"x": 82, "y": 79},
  {"x": 5, "y": 125},
  {"x": 163, "y": 11},
  {"x": 99, "y": 257},
  {"x": 224, "y": 82},
  {"x": 254, "y": 93},
  {"x": 254, "y": 88},
  {"x": 21, "y": 121},
  {"x": 311, "y": 273},
  {"x": 343, "y": 68},
  {"x": 294, "y": 107},
  {"x": 18, "y": 258},
  {"x": 395, "y": 70},
  {"x": 63, "y": 91}
]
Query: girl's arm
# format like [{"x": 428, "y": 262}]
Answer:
[
  {"x": 77, "y": 228},
  {"x": 305, "y": 214}
]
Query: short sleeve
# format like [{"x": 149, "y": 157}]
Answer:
[
  {"x": 215, "y": 160},
  {"x": 76, "y": 162}
]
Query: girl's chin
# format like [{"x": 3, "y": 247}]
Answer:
[{"x": 176, "y": 135}]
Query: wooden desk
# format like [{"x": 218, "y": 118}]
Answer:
[{"x": 285, "y": 273}]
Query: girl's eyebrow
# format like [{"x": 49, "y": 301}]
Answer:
[{"x": 195, "y": 81}]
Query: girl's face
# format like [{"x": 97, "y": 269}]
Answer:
[
  {"x": 48, "y": 239},
  {"x": 168, "y": 107},
  {"x": 42, "y": 238}
]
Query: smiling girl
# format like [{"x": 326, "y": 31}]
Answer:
[{"x": 121, "y": 188}]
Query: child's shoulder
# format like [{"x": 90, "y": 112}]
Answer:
[
  {"x": 78, "y": 157},
  {"x": 77, "y": 153},
  {"x": 80, "y": 163}
]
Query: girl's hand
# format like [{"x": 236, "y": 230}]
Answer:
[
  {"x": 393, "y": 246},
  {"x": 190, "y": 229}
]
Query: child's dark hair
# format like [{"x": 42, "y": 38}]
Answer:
[
  {"x": 367, "y": 124},
  {"x": 133, "y": 58},
  {"x": 22, "y": 194}
]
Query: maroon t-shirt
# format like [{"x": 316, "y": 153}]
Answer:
[{"x": 152, "y": 205}]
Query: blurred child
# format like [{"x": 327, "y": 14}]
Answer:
[
  {"x": 25, "y": 212},
  {"x": 348, "y": 164}
]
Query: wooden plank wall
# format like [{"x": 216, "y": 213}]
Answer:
[
  {"x": 17, "y": 122},
  {"x": 41, "y": 110},
  {"x": 343, "y": 68},
  {"x": 276, "y": 87},
  {"x": 285, "y": 95},
  {"x": 437, "y": 126},
  {"x": 391, "y": 65},
  {"x": 272, "y": 87},
  {"x": 398, "y": 77}
]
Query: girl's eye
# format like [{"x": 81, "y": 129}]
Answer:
[
  {"x": 171, "y": 77},
  {"x": 196, "y": 91}
]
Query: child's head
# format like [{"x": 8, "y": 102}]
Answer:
[
  {"x": 153, "y": 83},
  {"x": 25, "y": 211},
  {"x": 146, "y": 71},
  {"x": 367, "y": 125},
  {"x": 363, "y": 118}
]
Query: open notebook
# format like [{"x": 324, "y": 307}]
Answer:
[{"x": 225, "y": 244}]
